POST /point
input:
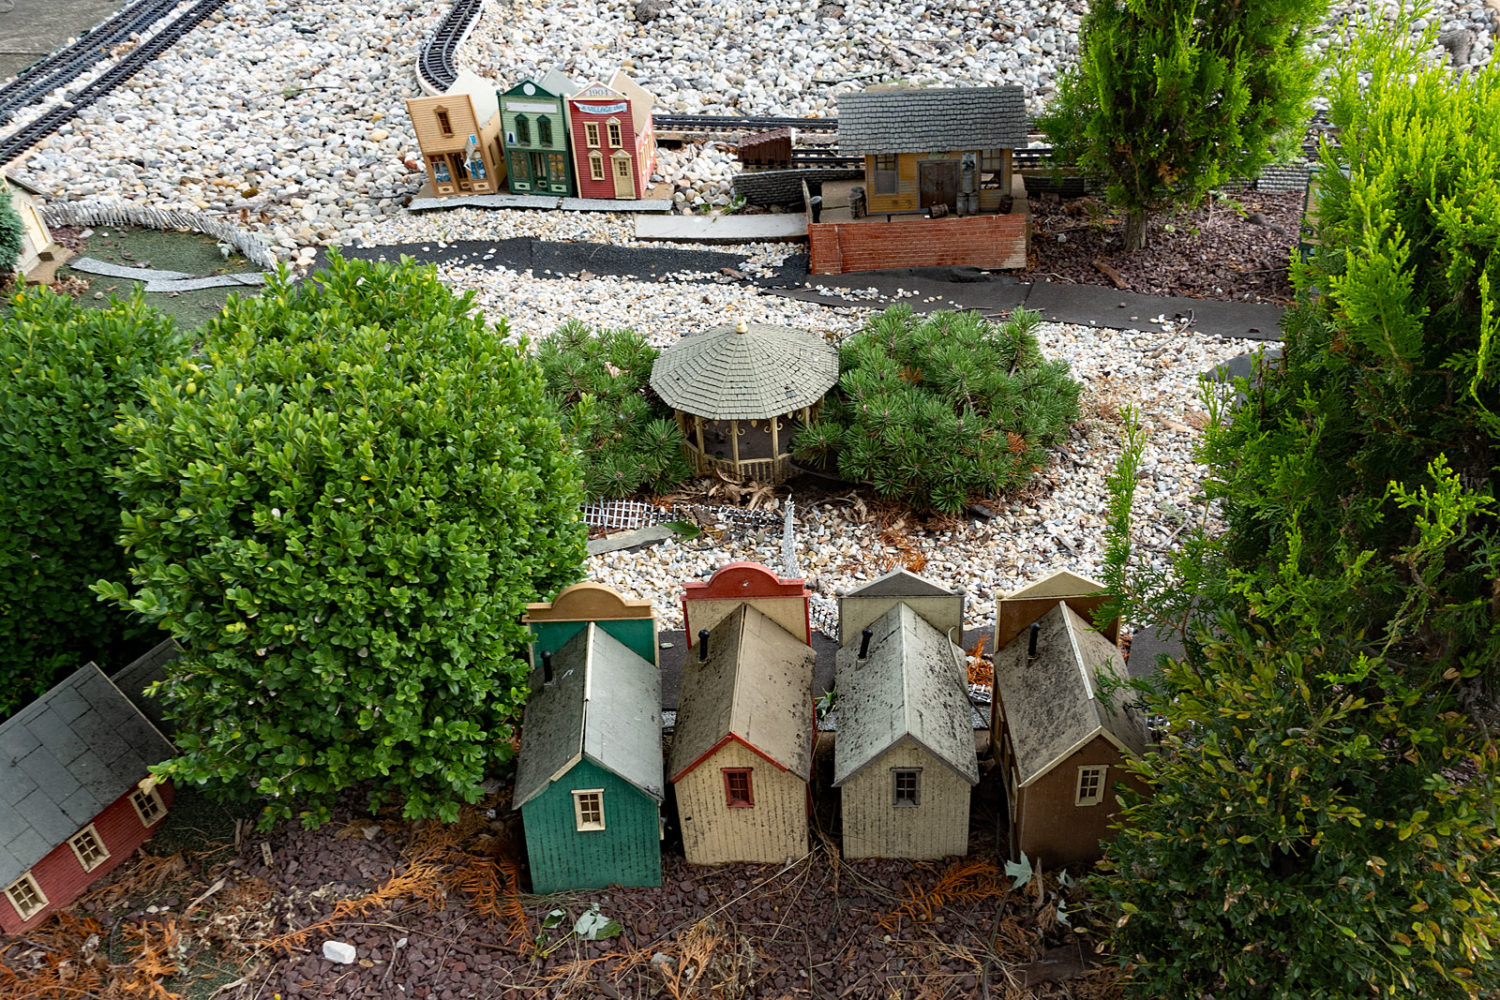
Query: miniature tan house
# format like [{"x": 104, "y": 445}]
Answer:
[
  {"x": 741, "y": 392},
  {"x": 459, "y": 133},
  {"x": 36, "y": 244},
  {"x": 1060, "y": 730}
]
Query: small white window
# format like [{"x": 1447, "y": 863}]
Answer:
[
  {"x": 596, "y": 167},
  {"x": 588, "y": 809},
  {"x": 26, "y": 896},
  {"x": 906, "y": 790},
  {"x": 148, "y": 806},
  {"x": 591, "y": 134},
  {"x": 1090, "y": 785},
  {"x": 89, "y": 848},
  {"x": 614, "y": 133}
]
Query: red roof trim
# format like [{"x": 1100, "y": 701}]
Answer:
[{"x": 730, "y": 737}]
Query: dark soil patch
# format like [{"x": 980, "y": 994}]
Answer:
[{"x": 1221, "y": 254}]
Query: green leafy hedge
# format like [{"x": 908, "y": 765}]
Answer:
[
  {"x": 935, "y": 410},
  {"x": 12, "y": 235},
  {"x": 65, "y": 372},
  {"x": 601, "y": 383},
  {"x": 342, "y": 507}
]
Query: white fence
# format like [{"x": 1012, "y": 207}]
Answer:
[
  {"x": 630, "y": 514},
  {"x": 114, "y": 213}
]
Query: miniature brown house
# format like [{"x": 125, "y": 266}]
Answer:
[
  {"x": 1060, "y": 733},
  {"x": 742, "y": 747},
  {"x": 904, "y": 758},
  {"x": 741, "y": 392},
  {"x": 459, "y": 133}
]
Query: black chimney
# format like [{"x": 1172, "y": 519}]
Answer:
[
  {"x": 864, "y": 642},
  {"x": 1031, "y": 642},
  {"x": 702, "y": 644},
  {"x": 546, "y": 666}
]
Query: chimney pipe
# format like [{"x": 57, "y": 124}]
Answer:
[
  {"x": 702, "y": 644},
  {"x": 1031, "y": 642},
  {"x": 546, "y": 666},
  {"x": 864, "y": 642}
]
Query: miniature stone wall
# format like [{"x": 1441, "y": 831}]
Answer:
[
  {"x": 113, "y": 213},
  {"x": 784, "y": 187},
  {"x": 995, "y": 241}
]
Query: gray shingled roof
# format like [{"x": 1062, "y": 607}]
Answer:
[
  {"x": 727, "y": 375},
  {"x": 604, "y": 704},
  {"x": 133, "y": 679},
  {"x": 559, "y": 84},
  {"x": 65, "y": 757},
  {"x": 913, "y": 684},
  {"x": 932, "y": 120},
  {"x": 1053, "y": 703},
  {"x": 756, "y": 684},
  {"x": 901, "y": 583}
]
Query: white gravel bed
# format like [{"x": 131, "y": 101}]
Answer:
[
  {"x": 288, "y": 116},
  {"x": 1058, "y": 523}
]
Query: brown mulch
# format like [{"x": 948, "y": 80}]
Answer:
[
  {"x": 435, "y": 911},
  {"x": 1197, "y": 253}
]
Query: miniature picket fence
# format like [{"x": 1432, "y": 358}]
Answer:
[
  {"x": 627, "y": 515},
  {"x": 103, "y": 212}
]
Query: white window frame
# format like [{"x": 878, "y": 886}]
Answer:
[
  {"x": 591, "y": 134},
  {"x": 579, "y": 823},
  {"x": 1089, "y": 789},
  {"x": 102, "y": 854},
  {"x": 616, "y": 133},
  {"x": 152, "y": 796},
  {"x": 596, "y": 167},
  {"x": 31, "y": 885}
]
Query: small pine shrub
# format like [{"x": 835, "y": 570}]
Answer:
[
  {"x": 936, "y": 410},
  {"x": 12, "y": 235},
  {"x": 600, "y": 382}
]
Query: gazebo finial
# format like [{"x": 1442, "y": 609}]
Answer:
[{"x": 741, "y": 326}]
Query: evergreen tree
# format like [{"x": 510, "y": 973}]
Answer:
[
  {"x": 1171, "y": 98},
  {"x": 937, "y": 410},
  {"x": 342, "y": 507},
  {"x": 12, "y": 234}
]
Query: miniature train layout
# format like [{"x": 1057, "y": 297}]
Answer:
[{"x": 601, "y": 766}]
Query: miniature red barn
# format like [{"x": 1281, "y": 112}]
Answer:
[
  {"x": 614, "y": 143},
  {"x": 73, "y": 800}
]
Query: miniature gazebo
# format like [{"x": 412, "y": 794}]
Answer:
[{"x": 741, "y": 392}]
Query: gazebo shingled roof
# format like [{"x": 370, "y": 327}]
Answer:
[{"x": 766, "y": 371}]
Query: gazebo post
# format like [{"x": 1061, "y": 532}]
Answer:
[
  {"x": 701, "y": 463},
  {"x": 775, "y": 440},
  {"x": 734, "y": 444}
]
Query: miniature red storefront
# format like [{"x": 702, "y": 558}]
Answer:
[{"x": 614, "y": 144}]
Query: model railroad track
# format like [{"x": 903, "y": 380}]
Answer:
[
  {"x": 734, "y": 123},
  {"x": 68, "y": 64},
  {"x": 28, "y": 135},
  {"x": 435, "y": 69}
]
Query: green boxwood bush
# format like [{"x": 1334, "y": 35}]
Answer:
[
  {"x": 936, "y": 410},
  {"x": 12, "y": 235},
  {"x": 601, "y": 383}
]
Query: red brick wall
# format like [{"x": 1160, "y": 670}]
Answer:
[
  {"x": 62, "y": 877},
  {"x": 990, "y": 241}
]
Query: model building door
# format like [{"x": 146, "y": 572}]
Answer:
[
  {"x": 937, "y": 183},
  {"x": 624, "y": 182}
]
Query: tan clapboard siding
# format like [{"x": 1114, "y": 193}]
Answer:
[
  {"x": 774, "y": 829},
  {"x": 875, "y": 828},
  {"x": 942, "y": 613},
  {"x": 905, "y": 197},
  {"x": 788, "y": 612},
  {"x": 423, "y": 112}
]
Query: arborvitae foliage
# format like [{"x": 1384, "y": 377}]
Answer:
[
  {"x": 601, "y": 383},
  {"x": 1172, "y": 98},
  {"x": 342, "y": 507},
  {"x": 12, "y": 235},
  {"x": 1324, "y": 816},
  {"x": 1397, "y": 361},
  {"x": 65, "y": 372},
  {"x": 936, "y": 410}
]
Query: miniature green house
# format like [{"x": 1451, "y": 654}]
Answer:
[
  {"x": 589, "y": 776},
  {"x": 535, "y": 126},
  {"x": 740, "y": 393}
]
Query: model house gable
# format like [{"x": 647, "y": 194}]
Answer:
[
  {"x": 785, "y": 601},
  {"x": 940, "y": 607}
]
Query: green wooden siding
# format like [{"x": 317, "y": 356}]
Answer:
[
  {"x": 636, "y": 634},
  {"x": 626, "y": 852},
  {"x": 522, "y": 176}
]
